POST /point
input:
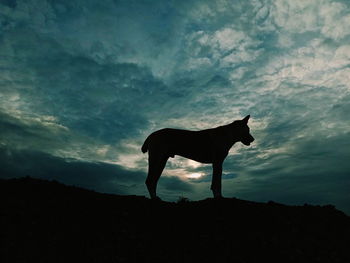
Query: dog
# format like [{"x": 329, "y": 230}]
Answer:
[{"x": 210, "y": 146}]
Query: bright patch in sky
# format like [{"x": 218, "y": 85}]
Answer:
[{"x": 195, "y": 175}]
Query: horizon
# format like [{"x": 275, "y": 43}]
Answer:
[{"x": 83, "y": 83}]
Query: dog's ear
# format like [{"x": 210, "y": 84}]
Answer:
[{"x": 245, "y": 120}]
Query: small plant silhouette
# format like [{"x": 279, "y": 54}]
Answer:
[{"x": 182, "y": 200}]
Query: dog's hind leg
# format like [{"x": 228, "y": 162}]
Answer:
[
  {"x": 216, "y": 179},
  {"x": 156, "y": 166}
]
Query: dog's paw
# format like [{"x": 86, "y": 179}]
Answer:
[{"x": 156, "y": 199}]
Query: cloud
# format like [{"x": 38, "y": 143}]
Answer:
[
  {"x": 304, "y": 170},
  {"x": 82, "y": 94},
  {"x": 10, "y": 3},
  {"x": 98, "y": 176},
  {"x": 20, "y": 131}
]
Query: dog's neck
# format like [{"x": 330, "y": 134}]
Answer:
[{"x": 230, "y": 131}]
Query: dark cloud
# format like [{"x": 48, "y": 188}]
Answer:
[
  {"x": 23, "y": 132},
  {"x": 341, "y": 109},
  {"x": 9, "y": 3},
  {"x": 313, "y": 171},
  {"x": 91, "y": 98},
  {"x": 208, "y": 177},
  {"x": 173, "y": 184},
  {"x": 103, "y": 177},
  {"x": 98, "y": 176}
]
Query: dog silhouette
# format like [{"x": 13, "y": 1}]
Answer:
[{"x": 204, "y": 146}]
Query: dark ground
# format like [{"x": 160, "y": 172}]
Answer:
[{"x": 43, "y": 221}]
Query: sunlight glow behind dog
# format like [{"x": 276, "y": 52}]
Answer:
[{"x": 195, "y": 175}]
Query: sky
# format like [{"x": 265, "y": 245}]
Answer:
[{"x": 84, "y": 82}]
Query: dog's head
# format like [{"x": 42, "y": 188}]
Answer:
[{"x": 243, "y": 131}]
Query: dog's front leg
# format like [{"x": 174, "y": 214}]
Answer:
[{"x": 216, "y": 179}]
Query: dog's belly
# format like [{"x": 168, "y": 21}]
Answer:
[
  {"x": 193, "y": 150},
  {"x": 197, "y": 158}
]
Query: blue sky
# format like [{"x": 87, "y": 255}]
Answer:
[{"x": 82, "y": 84}]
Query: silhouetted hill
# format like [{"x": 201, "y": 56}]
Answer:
[{"x": 43, "y": 221}]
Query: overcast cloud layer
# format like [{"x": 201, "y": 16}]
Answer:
[{"x": 82, "y": 84}]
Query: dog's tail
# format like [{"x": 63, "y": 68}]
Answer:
[{"x": 144, "y": 147}]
